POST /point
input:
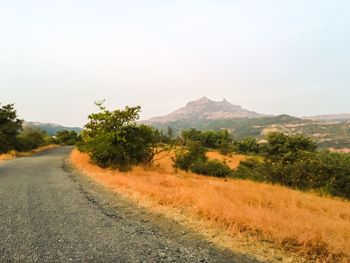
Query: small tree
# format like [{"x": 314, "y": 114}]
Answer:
[
  {"x": 10, "y": 126},
  {"x": 113, "y": 139}
]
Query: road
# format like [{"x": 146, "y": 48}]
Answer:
[{"x": 49, "y": 213}]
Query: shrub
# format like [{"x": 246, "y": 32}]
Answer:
[
  {"x": 211, "y": 168},
  {"x": 211, "y": 139},
  {"x": 193, "y": 159},
  {"x": 292, "y": 161},
  {"x": 194, "y": 152},
  {"x": 67, "y": 137},
  {"x": 30, "y": 138},
  {"x": 248, "y": 145}
]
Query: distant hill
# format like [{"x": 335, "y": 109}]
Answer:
[
  {"x": 51, "y": 128},
  {"x": 330, "y": 117},
  {"x": 205, "y": 109},
  {"x": 205, "y": 114}
]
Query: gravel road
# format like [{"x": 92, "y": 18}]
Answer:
[{"x": 50, "y": 213}]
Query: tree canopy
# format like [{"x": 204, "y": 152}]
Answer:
[
  {"x": 114, "y": 139},
  {"x": 10, "y": 127}
]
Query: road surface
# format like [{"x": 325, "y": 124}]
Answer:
[{"x": 49, "y": 213}]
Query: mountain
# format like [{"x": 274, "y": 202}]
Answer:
[
  {"x": 205, "y": 114},
  {"x": 206, "y": 109},
  {"x": 51, "y": 128},
  {"x": 330, "y": 117}
]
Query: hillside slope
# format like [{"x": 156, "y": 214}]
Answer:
[{"x": 51, "y": 128}]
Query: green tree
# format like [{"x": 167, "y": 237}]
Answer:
[
  {"x": 113, "y": 138},
  {"x": 248, "y": 145},
  {"x": 67, "y": 137},
  {"x": 30, "y": 138},
  {"x": 194, "y": 152},
  {"x": 286, "y": 148},
  {"x": 10, "y": 127}
]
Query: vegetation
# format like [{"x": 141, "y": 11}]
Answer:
[
  {"x": 67, "y": 137},
  {"x": 193, "y": 159},
  {"x": 113, "y": 139},
  {"x": 30, "y": 138},
  {"x": 302, "y": 223},
  {"x": 15, "y": 137},
  {"x": 326, "y": 135},
  {"x": 10, "y": 127},
  {"x": 248, "y": 145},
  {"x": 220, "y": 140},
  {"x": 294, "y": 162},
  {"x": 52, "y": 129}
]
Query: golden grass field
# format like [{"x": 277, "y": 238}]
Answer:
[
  {"x": 270, "y": 221},
  {"x": 15, "y": 154}
]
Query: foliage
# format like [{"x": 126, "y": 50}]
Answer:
[
  {"x": 193, "y": 159},
  {"x": 52, "y": 129},
  {"x": 294, "y": 162},
  {"x": 287, "y": 148},
  {"x": 212, "y": 168},
  {"x": 211, "y": 139},
  {"x": 185, "y": 158},
  {"x": 113, "y": 139},
  {"x": 10, "y": 126},
  {"x": 248, "y": 145},
  {"x": 67, "y": 137},
  {"x": 335, "y": 135},
  {"x": 30, "y": 138}
]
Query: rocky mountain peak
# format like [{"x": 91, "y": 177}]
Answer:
[{"x": 206, "y": 109}]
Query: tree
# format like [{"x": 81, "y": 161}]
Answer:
[
  {"x": 113, "y": 138},
  {"x": 10, "y": 126},
  {"x": 248, "y": 145},
  {"x": 67, "y": 137},
  {"x": 170, "y": 133},
  {"x": 210, "y": 139},
  {"x": 287, "y": 148},
  {"x": 30, "y": 138}
]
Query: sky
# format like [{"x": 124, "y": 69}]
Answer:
[{"x": 58, "y": 57}]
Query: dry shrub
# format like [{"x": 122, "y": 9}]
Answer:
[
  {"x": 304, "y": 223},
  {"x": 14, "y": 154}
]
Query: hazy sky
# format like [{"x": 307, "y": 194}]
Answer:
[{"x": 271, "y": 56}]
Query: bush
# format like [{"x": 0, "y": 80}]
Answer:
[
  {"x": 193, "y": 159},
  {"x": 30, "y": 138},
  {"x": 211, "y": 139},
  {"x": 194, "y": 152},
  {"x": 113, "y": 139},
  {"x": 248, "y": 145},
  {"x": 67, "y": 137},
  {"x": 292, "y": 161},
  {"x": 212, "y": 168}
]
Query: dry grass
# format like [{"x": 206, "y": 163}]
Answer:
[
  {"x": 15, "y": 154},
  {"x": 314, "y": 227}
]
